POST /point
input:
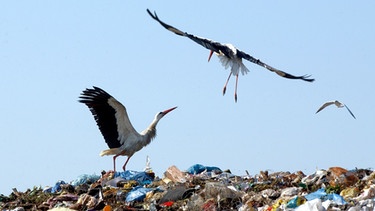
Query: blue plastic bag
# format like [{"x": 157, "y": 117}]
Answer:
[
  {"x": 57, "y": 187},
  {"x": 141, "y": 177},
  {"x": 321, "y": 194},
  {"x": 292, "y": 203},
  {"x": 85, "y": 178},
  {"x": 137, "y": 194},
  {"x": 295, "y": 202},
  {"x": 198, "y": 168},
  {"x": 336, "y": 198}
]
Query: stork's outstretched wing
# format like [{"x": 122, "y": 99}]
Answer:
[
  {"x": 110, "y": 115},
  {"x": 246, "y": 56},
  {"x": 221, "y": 48},
  {"x": 207, "y": 43}
]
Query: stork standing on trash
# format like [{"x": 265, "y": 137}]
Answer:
[
  {"x": 114, "y": 124},
  {"x": 229, "y": 56}
]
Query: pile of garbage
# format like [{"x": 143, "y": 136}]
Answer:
[{"x": 203, "y": 188}]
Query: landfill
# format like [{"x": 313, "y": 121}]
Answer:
[{"x": 206, "y": 188}]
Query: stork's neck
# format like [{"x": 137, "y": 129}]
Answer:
[{"x": 150, "y": 131}]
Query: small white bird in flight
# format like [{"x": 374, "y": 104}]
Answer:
[
  {"x": 229, "y": 56},
  {"x": 114, "y": 124},
  {"x": 338, "y": 104}
]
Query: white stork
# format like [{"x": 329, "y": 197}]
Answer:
[
  {"x": 114, "y": 124},
  {"x": 338, "y": 104},
  {"x": 229, "y": 56}
]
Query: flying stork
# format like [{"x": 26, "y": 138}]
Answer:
[
  {"x": 229, "y": 56},
  {"x": 114, "y": 124},
  {"x": 338, "y": 104}
]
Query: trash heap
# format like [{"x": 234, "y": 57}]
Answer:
[{"x": 203, "y": 188}]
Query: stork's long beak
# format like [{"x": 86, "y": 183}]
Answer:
[
  {"x": 169, "y": 110},
  {"x": 209, "y": 57}
]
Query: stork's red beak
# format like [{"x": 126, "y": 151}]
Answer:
[
  {"x": 169, "y": 110},
  {"x": 209, "y": 57}
]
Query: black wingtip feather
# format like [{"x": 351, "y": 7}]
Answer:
[
  {"x": 290, "y": 76},
  {"x": 166, "y": 26},
  {"x": 96, "y": 99},
  {"x": 154, "y": 16},
  {"x": 90, "y": 95},
  {"x": 306, "y": 78}
]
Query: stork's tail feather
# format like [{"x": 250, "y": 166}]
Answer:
[
  {"x": 244, "y": 69},
  {"x": 113, "y": 151},
  {"x": 225, "y": 61},
  {"x": 236, "y": 66}
]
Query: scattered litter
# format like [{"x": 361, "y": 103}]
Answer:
[
  {"x": 57, "y": 187},
  {"x": 85, "y": 178},
  {"x": 137, "y": 194},
  {"x": 203, "y": 188},
  {"x": 148, "y": 168},
  {"x": 313, "y": 205},
  {"x": 141, "y": 177},
  {"x": 198, "y": 168},
  {"x": 295, "y": 202},
  {"x": 175, "y": 175},
  {"x": 322, "y": 195},
  {"x": 177, "y": 193}
]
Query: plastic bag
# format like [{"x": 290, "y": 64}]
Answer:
[
  {"x": 313, "y": 205},
  {"x": 57, "y": 187},
  {"x": 137, "y": 194},
  {"x": 142, "y": 178},
  {"x": 198, "y": 168},
  {"x": 85, "y": 178},
  {"x": 321, "y": 194},
  {"x": 295, "y": 202}
]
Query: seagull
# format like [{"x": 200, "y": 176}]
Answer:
[
  {"x": 338, "y": 104},
  {"x": 114, "y": 124},
  {"x": 229, "y": 56}
]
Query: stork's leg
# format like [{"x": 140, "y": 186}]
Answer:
[
  {"x": 126, "y": 162},
  {"x": 226, "y": 83},
  {"x": 235, "y": 89},
  {"x": 114, "y": 162}
]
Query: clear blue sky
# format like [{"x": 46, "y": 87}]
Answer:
[{"x": 52, "y": 50}]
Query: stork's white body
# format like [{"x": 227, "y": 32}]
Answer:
[
  {"x": 113, "y": 122},
  {"x": 233, "y": 61},
  {"x": 230, "y": 56}
]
